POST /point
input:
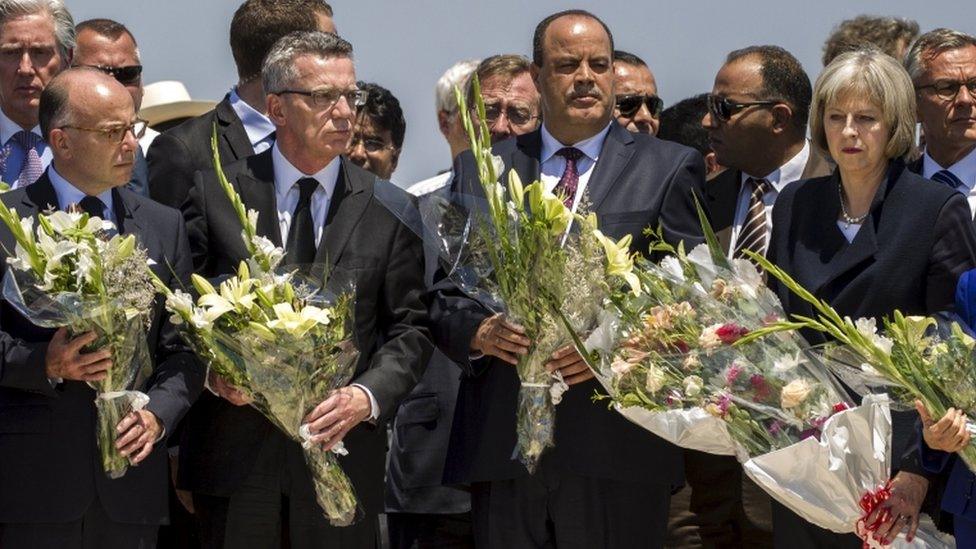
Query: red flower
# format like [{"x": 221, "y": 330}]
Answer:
[
  {"x": 730, "y": 333},
  {"x": 840, "y": 407},
  {"x": 760, "y": 386}
]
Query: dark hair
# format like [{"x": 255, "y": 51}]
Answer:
[
  {"x": 883, "y": 33},
  {"x": 628, "y": 58},
  {"x": 506, "y": 65},
  {"x": 383, "y": 109},
  {"x": 105, "y": 27},
  {"x": 258, "y": 24},
  {"x": 783, "y": 79},
  {"x": 540, "y": 31},
  {"x": 682, "y": 123}
]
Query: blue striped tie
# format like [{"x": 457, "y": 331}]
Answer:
[{"x": 947, "y": 178}]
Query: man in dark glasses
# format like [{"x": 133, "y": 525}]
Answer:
[
  {"x": 756, "y": 123},
  {"x": 638, "y": 107},
  {"x": 511, "y": 98},
  {"x": 108, "y": 46}
]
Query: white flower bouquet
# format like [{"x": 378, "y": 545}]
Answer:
[{"x": 71, "y": 271}]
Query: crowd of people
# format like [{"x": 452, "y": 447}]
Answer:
[{"x": 861, "y": 186}]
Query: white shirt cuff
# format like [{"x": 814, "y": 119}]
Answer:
[{"x": 374, "y": 407}]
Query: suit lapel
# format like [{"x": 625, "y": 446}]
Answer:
[
  {"x": 40, "y": 197},
  {"x": 257, "y": 189},
  {"x": 525, "y": 160},
  {"x": 347, "y": 206},
  {"x": 617, "y": 150},
  {"x": 125, "y": 210},
  {"x": 722, "y": 196},
  {"x": 231, "y": 130}
]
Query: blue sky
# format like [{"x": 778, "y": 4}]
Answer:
[{"x": 405, "y": 45}]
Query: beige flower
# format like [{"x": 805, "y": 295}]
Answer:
[
  {"x": 655, "y": 379},
  {"x": 795, "y": 393}
]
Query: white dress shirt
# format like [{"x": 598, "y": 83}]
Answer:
[
  {"x": 7, "y": 130},
  {"x": 778, "y": 179},
  {"x": 286, "y": 175},
  {"x": 965, "y": 170},
  {"x": 551, "y": 165},
  {"x": 258, "y": 127}
]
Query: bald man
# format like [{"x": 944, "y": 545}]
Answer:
[{"x": 53, "y": 492}]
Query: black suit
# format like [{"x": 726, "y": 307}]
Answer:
[
  {"x": 362, "y": 241},
  {"x": 51, "y": 470},
  {"x": 908, "y": 255},
  {"x": 638, "y": 181},
  {"x": 175, "y": 155}
]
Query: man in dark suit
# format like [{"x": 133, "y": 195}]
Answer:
[
  {"x": 756, "y": 123},
  {"x": 942, "y": 64},
  {"x": 606, "y": 482},
  {"x": 246, "y": 476},
  {"x": 53, "y": 492},
  {"x": 243, "y": 127}
]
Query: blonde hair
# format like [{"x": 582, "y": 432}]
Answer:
[{"x": 877, "y": 77}]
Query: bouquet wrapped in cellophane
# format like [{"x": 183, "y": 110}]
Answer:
[
  {"x": 521, "y": 251},
  {"x": 672, "y": 362},
  {"x": 911, "y": 358},
  {"x": 282, "y": 338},
  {"x": 74, "y": 271}
]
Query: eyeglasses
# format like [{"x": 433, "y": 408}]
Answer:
[
  {"x": 326, "y": 99},
  {"x": 628, "y": 105},
  {"x": 371, "y": 145},
  {"x": 949, "y": 89},
  {"x": 723, "y": 108},
  {"x": 117, "y": 134},
  {"x": 515, "y": 115},
  {"x": 126, "y": 76}
]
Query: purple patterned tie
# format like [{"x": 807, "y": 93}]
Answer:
[
  {"x": 32, "y": 167},
  {"x": 570, "y": 180}
]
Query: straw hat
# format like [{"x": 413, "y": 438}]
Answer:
[{"x": 168, "y": 100}]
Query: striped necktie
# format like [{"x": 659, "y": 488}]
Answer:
[
  {"x": 949, "y": 179},
  {"x": 753, "y": 236}
]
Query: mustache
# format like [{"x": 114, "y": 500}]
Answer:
[{"x": 594, "y": 93}]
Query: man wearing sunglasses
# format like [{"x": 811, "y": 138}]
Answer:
[
  {"x": 511, "y": 98},
  {"x": 108, "y": 46},
  {"x": 942, "y": 64},
  {"x": 638, "y": 107},
  {"x": 756, "y": 123}
]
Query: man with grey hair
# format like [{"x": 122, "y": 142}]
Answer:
[
  {"x": 892, "y": 35},
  {"x": 250, "y": 482},
  {"x": 37, "y": 38},
  {"x": 53, "y": 491},
  {"x": 942, "y": 64},
  {"x": 448, "y": 121}
]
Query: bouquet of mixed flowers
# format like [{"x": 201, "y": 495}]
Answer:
[
  {"x": 528, "y": 264},
  {"x": 72, "y": 270},
  {"x": 281, "y": 338}
]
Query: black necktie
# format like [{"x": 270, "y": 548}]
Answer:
[
  {"x": 92, "y": 206},
  {"x": 300, "y": 246}
]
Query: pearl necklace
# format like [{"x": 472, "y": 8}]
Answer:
[{"x": 848, "y": 218}]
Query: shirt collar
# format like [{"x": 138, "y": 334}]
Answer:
[
  {"x": 68, "y": 194},
  {"x": 590, "y": 146},
  {"x": 286, "y": 174},
  {"x": 8, "y": 128},
  {"x": 965, "y": 169},
  {"x": 257, "y": 126},
  {"x": 787, "y": 173}
]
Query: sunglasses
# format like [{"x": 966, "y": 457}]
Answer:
[
  {"x": 516, "y": 115},
  {"x": 724, "y": 108},
  {"x": 126, "y": 76},
  {"x": 628, "y": 105}
]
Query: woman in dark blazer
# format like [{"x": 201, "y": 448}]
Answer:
[{"x": 869, "y": 239}]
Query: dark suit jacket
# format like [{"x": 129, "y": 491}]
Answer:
[
  {"x": 910, "y": 251},
  {"x": 51, "y": 468},
  {"x": 139, "y": 183},
  {"x": 362, "y": 241},
  {"x": 639, "y": 181},
  {"x": 175, "y": 155},
  {"x": 722, "y": 194}
]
